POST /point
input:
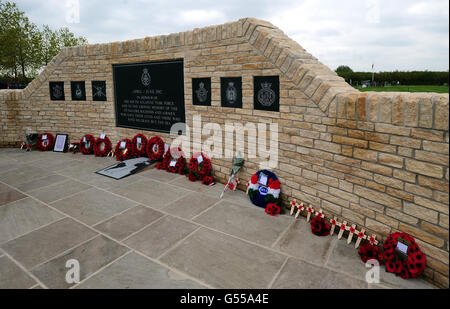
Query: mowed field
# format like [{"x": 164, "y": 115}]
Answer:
[{"x": 438, "y": 89}]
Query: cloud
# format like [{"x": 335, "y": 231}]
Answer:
[{"x": 401, "y": 34}]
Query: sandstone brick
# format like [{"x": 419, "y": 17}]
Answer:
[
  {"x": 377, "y": 137},
  {"x": 378, "y": 227},
  {"x": 326, "y": 146},
  {"x": 350, "y": 141},
  {"x": 391, "y": 160},
  {"x": 402, "y": 216},
  {"x": 391, "y": 129},
  {"x": 400, "y": 194},
  {"x": 435, "y": 230},
  {"x": 441, "y": 114},
  {"x": 421, "y": 212},
  {"x": 353, "y": 217},
  {"x": 434, "y": 183},
  {"x": 423, "y": 168},
  {"x": 418, "y": 190},
  {"x": 378, "y": 197},
  {"x": 376, "y": 168},
  {"x": 436, "y": 147},
  {"x": 432, "y": 157},
  {"x": 406, "y": 142},
  {"x": 415, "y": 232},
  {"x": 367, "y": 155},
  {"x": 431, "y": 204},
  {"x": 431, "y": 135},
  {"x": 375, "y": 186},
  {"x": 388, "y": 181},
  {"x": 398, "y": 116}
]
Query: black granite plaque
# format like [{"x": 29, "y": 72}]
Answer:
[
  {"x": 78, "y": 91},
  {"x": 98, "y": 90},
  {"x": 201, "y": 91},
  {"x": 57, "y": 91},
  {"x": 149, "y": 96},
  {"x": 266, "y": 93},
  {"x": 231, "y": 91}
]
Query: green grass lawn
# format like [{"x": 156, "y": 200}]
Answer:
[{"x": 438, "y": 89}]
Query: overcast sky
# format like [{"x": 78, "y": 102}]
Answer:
[{"x": 392, "y": 34}]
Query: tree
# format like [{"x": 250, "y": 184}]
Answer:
[
  {"x": 24, "y": 47},
  {"x": 54, "y": 41},
  {"x": 344, "y": 69},
  {"x": 19, "y": 41}
]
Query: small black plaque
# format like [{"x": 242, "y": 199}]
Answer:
[
  {"x": 231, "y": 91},
  {"x": 78, "y": 91},
  {"x": 98, "y": 90},
  {"x": 57, "y": 91},
  {"x": 266, "y": 93},
  {"x": 201, "y": 91},
  {"x": 150, "y": 95}
]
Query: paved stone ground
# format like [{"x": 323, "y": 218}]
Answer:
[{"x": 155, "y": 230}]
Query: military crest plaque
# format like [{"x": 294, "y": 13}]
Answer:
[
  {"x": 231, "y": 92},
  {"x": 57, "y": 91},
  {"x": 201, "y": 91},
  {"x": 78, "y": 91},
  {"x": 266, "y": 93},
  {"x": 99, "y": 90}
]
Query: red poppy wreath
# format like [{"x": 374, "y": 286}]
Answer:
[
  {"x": 124, "y": 150},
  {"x": 369, "y": 252},
  {"x": 409, "y": 265},
  {"x": 139, "y": 144},
  {"x": 172, "y": 164},
  {"x": 45, "y": 142},
  {"x": 87, "y": 144},
  {"x": 102, "y": 147},
  {"x": 199, "y": 167},
  {"x": 155, "y": 148},
  {"x": 320, "y": 227}
]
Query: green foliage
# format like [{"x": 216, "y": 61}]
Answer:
[
  {"x": 344, "y": 69},
  {"x": 408, "y": 88},
  {"x": 24, "y": 48},
  {"x": 404, "y": 78}
]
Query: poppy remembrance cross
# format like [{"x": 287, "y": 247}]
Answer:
[
  {"x": 343, "y": 228},
  {"x": 310, "y": 210},
  {"x": 352, "y": 230},
  {"x": 361, "y": 236},
  {"x": 333, "y": 225},
  {"x": 301, "y": 207}
]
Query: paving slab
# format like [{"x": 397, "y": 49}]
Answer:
[
  {"x": 191, "y": 205},
  {"x": 224, "y": 262},
  {"x": 93, "y": 205},
  {"x": 162, "y": 235},
  {"x": 160, "y": 175},
  {"x": 23, "y": 174},
  {"x": 123, "y": 225},
  {"x": 8, "y": 196},
  {"x": 298, "y": 241},
  {"x": 91, "y": 256},
  {"x": 41, "y": 182},
  {"x": 45, "y": 243},
  {"x": 249, "y": 223},
  {"x": 238, "y": 197},
  {"x": 24, "y": 216},
  {"x": 298, "y": 274},
  {"x": 152, "y": 193},
  {"x": 183, "y": 182},
  {"x": 58, "y": 191},
  {"x": 12, "y": 276},
  {"x": 136, "y": 272}
]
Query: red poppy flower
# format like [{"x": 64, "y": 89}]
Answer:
[
  {"x": 254, "y": 179},
  {"x": 273, "y": 209}
]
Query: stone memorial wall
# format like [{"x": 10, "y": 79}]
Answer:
[{"x": 378, "y": 160}]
